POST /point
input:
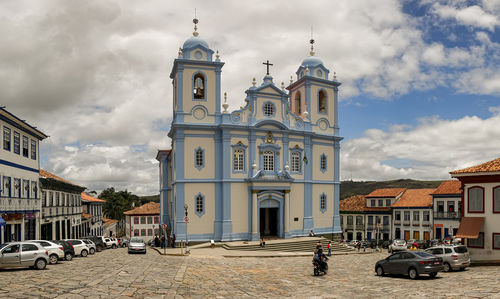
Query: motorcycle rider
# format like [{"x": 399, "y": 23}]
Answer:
[{"x": 320, "y": 258}]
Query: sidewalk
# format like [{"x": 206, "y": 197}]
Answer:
[{"x": 200, "y": 251}]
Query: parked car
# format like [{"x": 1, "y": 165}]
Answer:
[
  {"x": 455, "y": 257},
  {"x": 56, "y": 251},
  {"x": 80, "y": 247},
  {"x": 98, "y": 241},
  {"x": 136, "y": 245},
  {"x": 69, "y": 250},
  {"x": 412, "y": 263},
  {"x": 23, "y": 254},
  {"x": 111, "y": 243},
  {"x": 90, "y": 245},
  {"x": 124, "y": 242},
  {"x": 397, "y": 245}
]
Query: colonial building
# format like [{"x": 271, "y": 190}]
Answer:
[
  {"x": 412, "y": 215},
  {"x": 480, "y": 223},
  {"x": 447, "y": 200},
  {"x": 61, "y": 207},
  {"x": 353, "y": 217},
  {"x": 143, "y": 221},
  {"x": 270, "y": 168},
  {"x": 92, "y": 215},
  {"x": 20, "y": 202},
  {"x": 379, "y": 214},
  {"x": 110, "y": 227}
]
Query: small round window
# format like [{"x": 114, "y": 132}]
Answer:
[
  {"x": 268, "y": 109},
  {"x": 198, "y": 55}
]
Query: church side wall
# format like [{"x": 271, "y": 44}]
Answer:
[
  {"x": 240, "y": 210},
  {"x": 201, "y": 226},
  {"x": 318, "y": 150},
  {"x": 207, "y": 171},
  {"x": 323, "y": 219},
  {"x": 296, "y": 208}
]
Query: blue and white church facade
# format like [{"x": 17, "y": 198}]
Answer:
[{"x": 270, "y": 168}]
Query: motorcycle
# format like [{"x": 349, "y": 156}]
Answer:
[{"x": 318, "y": 269}]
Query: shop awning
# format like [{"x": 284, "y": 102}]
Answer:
[
  {"x": 2, "y": 222},
  {"x": 470, "y": 227}
]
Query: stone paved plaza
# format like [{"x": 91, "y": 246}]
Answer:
[{"x": 206, "y": 273}]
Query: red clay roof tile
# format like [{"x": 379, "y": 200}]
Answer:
[
  {"x": 151, "y": 208},
  {"x": 490, "y": 166},
  {"x": 449, "y": 187},
  {"x": 415, "y": 198},
  {"x": 387, "y": 192},
  {"x": 354, "y": 203}
]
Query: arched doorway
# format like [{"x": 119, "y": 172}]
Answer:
[{"x": 271, "y": 213}]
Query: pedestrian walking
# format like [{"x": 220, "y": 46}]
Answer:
[
  {"x": 173, "y": 241},
  {"x": 329, "y": 248}
]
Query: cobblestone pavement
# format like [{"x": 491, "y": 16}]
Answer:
[{"x": 114, "y": 273}]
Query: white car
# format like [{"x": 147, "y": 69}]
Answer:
[
  {"x": 111, "y": 243},
  {"x": 90, "y": 245},
  {"x": 397, "y": 245},
  {"x": 80, "y": 247},
  {"x": 55, "y": 251}
]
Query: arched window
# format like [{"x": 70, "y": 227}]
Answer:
[
  {"x": 475, "y": 200},
  {"x": 322, "y": 203},
  {"x": 238, "y": 159},
  {"x": 322, "y": 163},
  {"x": 200, "y": 204},
  {"x": 268, "y": 157},
  {"x": 199, "y": 86},
  {"x": 295, "y": 162},
  {"x": 199, "y": 159},
  {"x": 298, "y": 103},
  {"x": 322, "y": 108}
]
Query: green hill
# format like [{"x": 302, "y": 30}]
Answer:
[{"x": 350, "y": 188}]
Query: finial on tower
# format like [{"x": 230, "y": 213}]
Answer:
[
  {"x": 195, "y": 21},
  {"x": 312, "y": 42},
  {"x": 180, "y": 52},
  {"x": 334, "y": 75},
  {"x": 217, "y": 56},
  {"x": 291, "y": 79},
  {"x": 254, "y": 82},
  {"x": 282, "y": 85},
  {"x": 225, "y": 105}
]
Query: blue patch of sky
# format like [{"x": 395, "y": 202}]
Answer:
[
  {"x": 138, "y": 148},
  {"x": 361, "y": 113},
  {"x": 398, "y": 163}
]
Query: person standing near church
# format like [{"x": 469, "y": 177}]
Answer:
[{"x": 329, "y": 248}]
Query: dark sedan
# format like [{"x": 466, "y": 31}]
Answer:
[{"x": 413, "y": 263}]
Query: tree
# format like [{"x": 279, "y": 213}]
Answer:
[{"x": 118, "y": 202}]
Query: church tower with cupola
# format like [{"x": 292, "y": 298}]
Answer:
[
  {"x": 196, "y": 79},
  {"x": 314, "y": 97}
]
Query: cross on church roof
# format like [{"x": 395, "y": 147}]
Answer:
[{"x": 267, "y": 64}]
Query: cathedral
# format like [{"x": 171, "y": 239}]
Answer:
[{"x": 268, "y": 169}]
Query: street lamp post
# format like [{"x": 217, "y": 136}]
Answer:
[{"x": 185, "y": 220}]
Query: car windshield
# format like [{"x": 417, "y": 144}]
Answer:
[
  {"x": 400, "y": 242},
  {"x": 460, "y": 249},
  {"x": 3, "y": 245},
  {"x": 423, "y": 254},
  {"x": 136, "y": 240}
]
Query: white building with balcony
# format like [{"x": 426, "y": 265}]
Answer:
[
  {"x": 61, "y": 208},
  {"x": 20, "y": 203},
  {"x": 378, "y": 212},
  {"x": 447, "y": 201},
  {"x": 412, "y": 215},
  {"x": 92, "y": 224}
]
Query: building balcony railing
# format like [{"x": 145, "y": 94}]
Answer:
[
  {"x": 447, "y": 215},
  {"x": 397, "y": 222},
  {"x": 406, "y": 222},
  {"x": 426, "y": 223},
  {"x": 374, "y": 226},
  {"x": 8, "y": 204},
  {"x": 360, "y": 226}
]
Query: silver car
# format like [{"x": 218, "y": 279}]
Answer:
[
  {"x": 23, "y": 254},
  {"x": 56, "y": 251},
  {"x": 137, "y": 245},
  {"x": 397, "y": 245},
  {"x": 455, "y": 257}
]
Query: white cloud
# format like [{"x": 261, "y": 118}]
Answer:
[
  {"x": 470, "y": 15},
  {"x": 97, "y": 72},
  {"x": 428, "y": 151}
]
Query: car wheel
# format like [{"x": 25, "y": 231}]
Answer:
[
  {"x": 114, "y": 246},
  {"x": 433, "y": 274},
  {"x": 68, "y": 256},
  {"x": 40, "y": 264},
  {"x": 53, "y": 259},
  {"x": 84, "y": 253},
  {"x": 446, "y": 267},
  {"x": 92, "y": 250},
  {"x": 380, "y": 271},
  {"x": 412, "y": 272}
]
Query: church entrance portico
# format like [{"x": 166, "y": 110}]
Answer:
[
  {"x": 269, "y": 221},
  {"x": 268, "y": 218}
]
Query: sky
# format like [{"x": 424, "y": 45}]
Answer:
[{"x": 419, "y": 96}]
